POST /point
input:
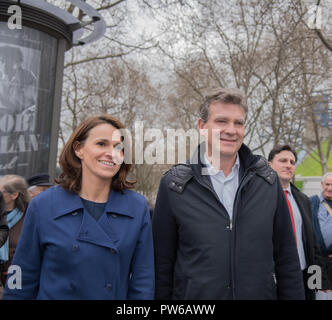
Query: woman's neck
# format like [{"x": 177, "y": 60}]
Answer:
[{"x": 96, "y": 192}]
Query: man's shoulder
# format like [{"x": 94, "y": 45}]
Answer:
[
  {"x": 297, "y": 192},
  {"x": 315, "y": 199},
  {"x": 178, "y": 176},
  {"x": 264, "y": 170},
  {"x": 299, "y": 195}
]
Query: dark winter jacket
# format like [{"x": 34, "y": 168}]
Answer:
[{"x": 201, "y": 254}]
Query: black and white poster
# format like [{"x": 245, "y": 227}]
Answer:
[{"x": 27, "y": 73}]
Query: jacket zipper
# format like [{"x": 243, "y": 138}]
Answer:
[{"x": 246, "y": 177}]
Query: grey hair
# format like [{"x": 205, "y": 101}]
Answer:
[
  {"x": 326, "y": 175},
  {"x": 224, "y": 95}
]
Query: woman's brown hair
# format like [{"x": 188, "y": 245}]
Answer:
[{"x": 71, "y": 175}]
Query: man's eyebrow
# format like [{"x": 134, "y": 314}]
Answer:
[{"x": 227, "y": 118}]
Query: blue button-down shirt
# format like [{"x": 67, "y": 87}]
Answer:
[
  {"x": 325, "y": 221},
  {"x": 225, "y": 187}
]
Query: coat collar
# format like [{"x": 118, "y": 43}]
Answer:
[
  {"x": 70, "y": 202},
  {"x": 248, "y": 160}
]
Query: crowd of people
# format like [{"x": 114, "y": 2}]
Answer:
[{"x": 228, "y": 224}]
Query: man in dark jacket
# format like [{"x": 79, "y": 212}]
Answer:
[
  {"x": 282, "y": 159},
  {"x": 38, "y": 183},
  {"x": 221, "y": 224}
]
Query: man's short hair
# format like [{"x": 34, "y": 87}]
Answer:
[
  {"x": 278, "y": 148},
  {"x": 326, "y": 175},
  {"x": 223, "y": 95}
]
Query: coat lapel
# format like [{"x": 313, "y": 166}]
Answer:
[
  {"x": 96, "y": 232},
  {"x": 300, "y": 204},
  {"x": 91, "y": 231},
  {"x": 303, "y": 211}
]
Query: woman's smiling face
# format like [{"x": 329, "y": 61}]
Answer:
[{"x": 101, "y": 154}]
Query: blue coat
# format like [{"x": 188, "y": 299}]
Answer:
[{"x": 64, "y": 253}]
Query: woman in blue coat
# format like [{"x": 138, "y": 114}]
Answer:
[{"x": 89, "y": 237}]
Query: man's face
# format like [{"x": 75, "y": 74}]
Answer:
[
  {"x": 35, "y": 190},
  {"x": 327, "y": 187},
  {"x": 225, "y": 128},
  {"x": 284, "y": 164}
]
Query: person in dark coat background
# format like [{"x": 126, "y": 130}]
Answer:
[
  {"x": 221, "y": 225},
  {"x": 90, "y": 236},
  {"x": 282, "y": 159},
  {"x": 38, "y": 183}
]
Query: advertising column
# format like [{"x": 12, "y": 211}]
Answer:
[{"x": 28, "y": 60}]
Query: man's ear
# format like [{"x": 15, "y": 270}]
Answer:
[
  {"x": 271, "y": 164},
  {"x": 200, "y": 125}
]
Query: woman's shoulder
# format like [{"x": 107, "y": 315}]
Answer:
[
  {"x": 49, "y": 193},
  {"x": 52, "y": 196},
  {"x": 129, "y": 201},
  {"x": 134, "y": 196},
  {"x": 53, "y": 202}
]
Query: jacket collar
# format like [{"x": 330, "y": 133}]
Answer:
[
  {"x": 293, "y": 188},
  {"x": 213, "y": 171},
  {"x": 248, "y": 161},
  {"x": 70, "y": 202},
  {"x": 247, "y": 158}
]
